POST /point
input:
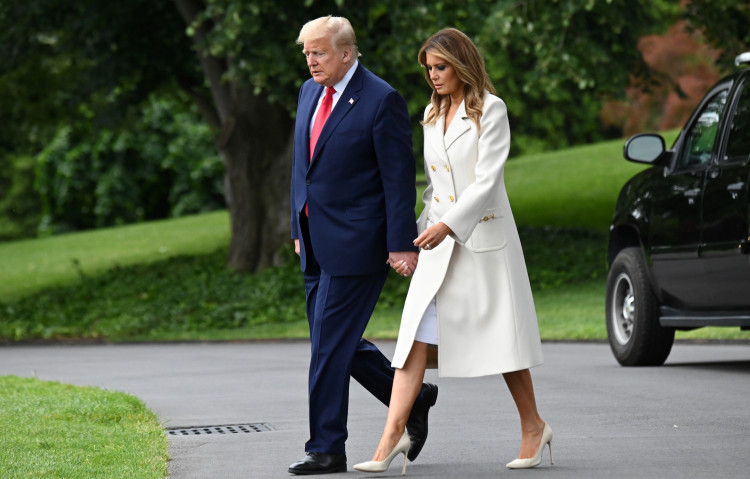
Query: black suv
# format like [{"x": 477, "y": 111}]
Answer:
[{"x": 679, "y": 242}]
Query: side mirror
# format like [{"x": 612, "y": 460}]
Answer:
[{"x": 644, "y": 148}]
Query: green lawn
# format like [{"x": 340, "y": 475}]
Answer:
[
  {"x": 575, "y": 187},
  {"x": 53, "y": 430},
  {"x": 29, "y": 266}
]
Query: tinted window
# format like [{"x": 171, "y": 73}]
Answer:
[
  {"x": 738, "y": 144},
  {"x": 700, "y": 140}
]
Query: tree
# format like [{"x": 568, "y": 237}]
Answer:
[
  {"x": 555, "y": 63},
  {"x": 237, "y": 61},
  {"x": 724, "y": 23},
  {"x": 682, "y": 69}
]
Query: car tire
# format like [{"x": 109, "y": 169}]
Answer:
[{"x": 633, "y": 329}]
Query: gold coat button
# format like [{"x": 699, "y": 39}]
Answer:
[
  {"x": 437, "y": 199},
  {"x": 447, "y": 168},
  {"x": 433, "y": 167},
  {"x": 451, "y": 198}
]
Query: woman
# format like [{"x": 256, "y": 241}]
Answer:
[{"x": 470, "y": 292}]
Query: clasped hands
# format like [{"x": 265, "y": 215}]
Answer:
[{"x": 405, "y": 262}]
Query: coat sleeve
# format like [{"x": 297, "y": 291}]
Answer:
[
  {"x": 395, "y": 157},
  {"x": 492, "y": 153},
  {"x": 295, "y": 234}
]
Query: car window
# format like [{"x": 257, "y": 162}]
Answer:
[
  {"x": 738, "y": 143},
  {"x": 700, "y": 139}
]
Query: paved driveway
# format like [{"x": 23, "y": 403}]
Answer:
[{"x": 689, "y": 418}]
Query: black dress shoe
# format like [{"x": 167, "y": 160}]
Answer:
[
  {"x": 319, "y": 463},
  {"x": 416, "y": 426}
]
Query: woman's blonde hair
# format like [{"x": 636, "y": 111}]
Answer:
[{"x": 455, "y": 48}]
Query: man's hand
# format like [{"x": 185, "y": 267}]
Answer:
[
  {"x": 296, "y": 246},
  {"x": 404, "y": 262}
]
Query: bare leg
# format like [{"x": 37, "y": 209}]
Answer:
[
  {"x": 406, "y": 385},
  {"x": 532, "y": 426}
]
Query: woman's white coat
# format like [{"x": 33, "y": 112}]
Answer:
[{"x": 486, "y": 318}]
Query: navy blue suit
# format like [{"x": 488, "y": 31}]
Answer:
[{"x": 360, "y": 192}]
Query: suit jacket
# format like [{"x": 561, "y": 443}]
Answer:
[
  {"x": 485, "y": 311},
  {"x": 360, "y": 186}
]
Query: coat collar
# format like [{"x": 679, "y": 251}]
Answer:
[
  {"x": 459, "y": 125},
  {"x": 440, "y": 142}
]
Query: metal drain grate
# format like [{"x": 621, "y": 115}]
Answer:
[{"x": 224, "y": 429}]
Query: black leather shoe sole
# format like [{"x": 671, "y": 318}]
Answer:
[
  {"x": 312, "y": 472},
  {"x": 319, "y": 463}
]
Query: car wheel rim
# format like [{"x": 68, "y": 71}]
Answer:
[{"x": 623, "y": 309}]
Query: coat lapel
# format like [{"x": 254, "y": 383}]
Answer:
[
  {"x": 433, "y": 136},
  {"x": 459, "y": 125},
  {"x": 307, "y": 113},
  {"x": 344, "y": 105}
]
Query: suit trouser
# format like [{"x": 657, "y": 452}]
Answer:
[{"x": 338, "y": 310}]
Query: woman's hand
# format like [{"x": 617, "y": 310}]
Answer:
[
  {"x": 404, "y": 262},
  {"x": 432, "y": 236}
]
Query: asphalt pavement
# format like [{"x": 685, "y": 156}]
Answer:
[{"x": 689, "y": 418}]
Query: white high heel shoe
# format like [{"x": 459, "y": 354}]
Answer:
[
  {"x": 381, "y": 466},
  {"x": 537, "y": 459}
]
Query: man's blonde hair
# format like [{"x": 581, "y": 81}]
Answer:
[{"x": 337, "y": 29}]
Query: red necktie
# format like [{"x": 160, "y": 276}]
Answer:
[{"x": 320, "y": 119}]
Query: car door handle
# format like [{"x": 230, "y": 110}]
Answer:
[{"x": 692, "y": 193}]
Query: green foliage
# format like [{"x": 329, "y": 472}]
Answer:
[
  {"x": 560, "y": 256},
  {"x": 726, "y": 25},
  {"x": 19, "y": 207},
  {"x": 115, "y": 145},
  {"x": 81, "y": 86},
  {"x": 186, "y": 293},
  {"x": 554, "y": 62},
  {"x": 195, "y": 293},
  {"x": 162, "y": 164},
  {"x": 53, "y": 430}
]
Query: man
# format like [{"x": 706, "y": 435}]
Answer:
[{"x": 352, "y": 199}]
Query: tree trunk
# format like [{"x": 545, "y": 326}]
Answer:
[
  {"x": 254, "y": 141},
  {"x": 256, "y": 147}
]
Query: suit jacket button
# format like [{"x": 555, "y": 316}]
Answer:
[
  {"x": 307, "y": 182},
  {"x": 447, "y": 168},
  {"x": 433, "y": 167},
  {"x": 437, "y": 199},
  {"x": 451, "y": 198}
]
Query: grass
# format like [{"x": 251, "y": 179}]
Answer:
[
  {"x": 53, "y": 430},
  {"x": 571, "y": 188},
  {"x": 29, "y": 266}
]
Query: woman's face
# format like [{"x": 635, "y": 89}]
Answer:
[{"x": 443, "y": 75}]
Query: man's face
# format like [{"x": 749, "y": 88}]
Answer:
[{"x": 327, "y": 65}]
